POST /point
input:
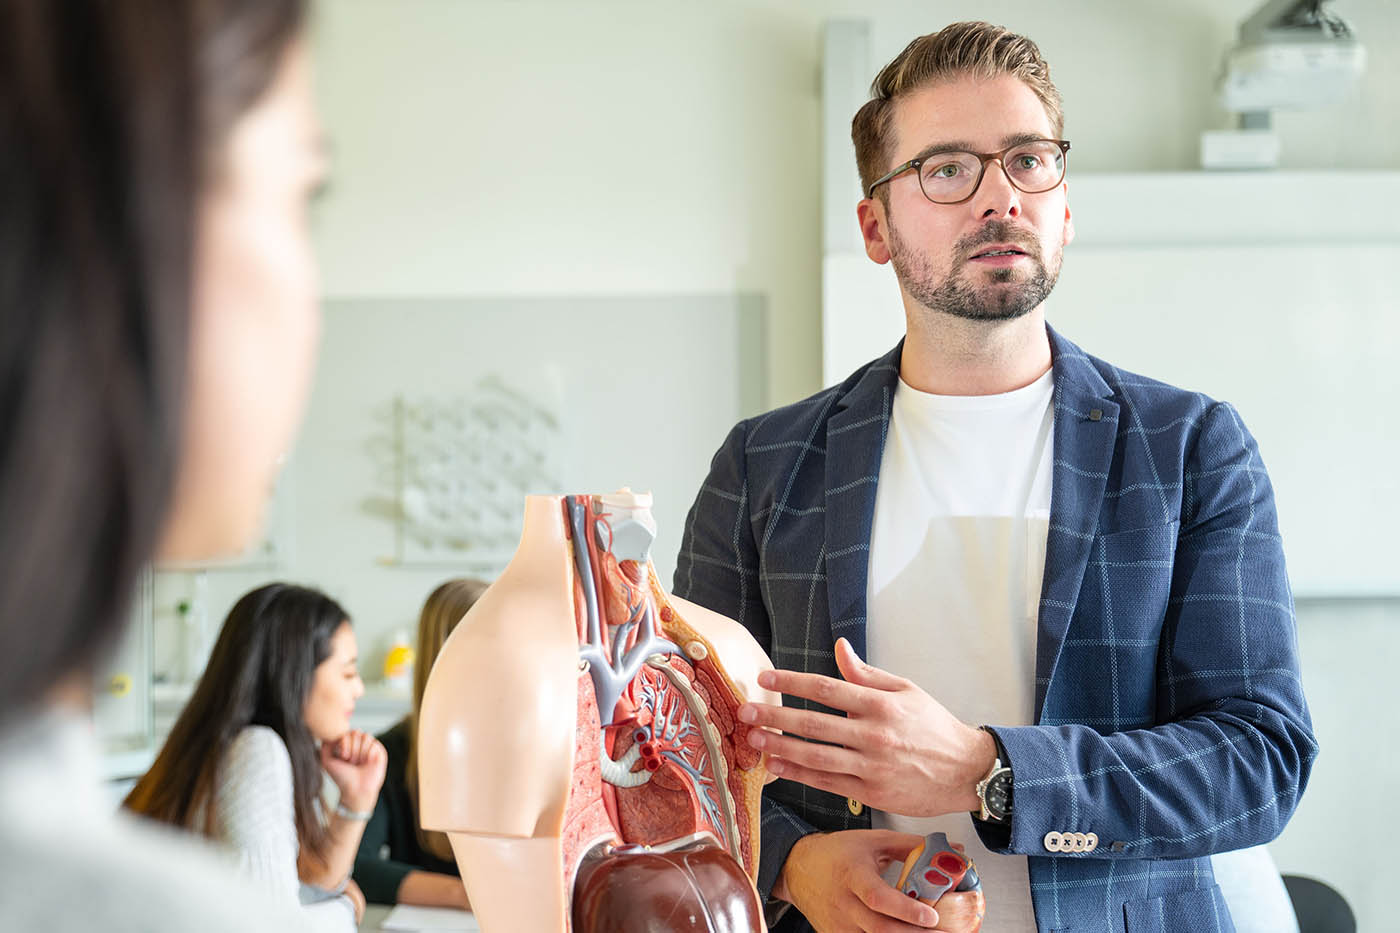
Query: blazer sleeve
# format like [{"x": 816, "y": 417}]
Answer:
[
  {"x": 1233, "y": 748},
  {"x": 718, "y": 568}
]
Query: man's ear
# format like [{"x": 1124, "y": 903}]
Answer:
[{"x": 871, "y": 215}]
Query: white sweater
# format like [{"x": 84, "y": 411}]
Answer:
[{"x": 255, "y": 816}]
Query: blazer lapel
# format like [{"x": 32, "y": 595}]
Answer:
[
  {"x": 855, "y": 442},
  {"x": 1086, "y": 429}
]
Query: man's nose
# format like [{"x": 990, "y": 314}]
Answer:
[{"x": 995, "y": 194}]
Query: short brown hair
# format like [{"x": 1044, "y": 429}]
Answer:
[{"x": 977, "y": 50}]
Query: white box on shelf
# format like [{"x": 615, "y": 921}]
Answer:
[{"x": 1239, "y": 149}]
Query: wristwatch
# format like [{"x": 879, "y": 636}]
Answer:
[{"x": 994, "y": 790}]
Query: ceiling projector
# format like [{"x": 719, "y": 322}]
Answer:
[{"x": 1292, "y": 55}]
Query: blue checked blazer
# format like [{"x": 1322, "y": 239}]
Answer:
[{"x": 1169, "y": 714}]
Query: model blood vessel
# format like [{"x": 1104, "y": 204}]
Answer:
[{"x": 578, "y": 740}]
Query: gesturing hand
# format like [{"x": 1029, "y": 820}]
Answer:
[
  {"x": 356, "y": 763},
  {"x": 897, "y": 748},
  {"x": 834, "y": 880}
]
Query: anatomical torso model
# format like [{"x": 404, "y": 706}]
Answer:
[{"x": 578, "y": 739}]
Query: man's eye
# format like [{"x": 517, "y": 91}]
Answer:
[
  {"x": 1028, "y": 161},
  {"x": 947, "y": 170}
]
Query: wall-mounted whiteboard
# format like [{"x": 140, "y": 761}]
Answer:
[{"x": 1279, "y": 293}]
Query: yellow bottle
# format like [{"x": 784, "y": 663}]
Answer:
[{"x": 398, "y": 663}]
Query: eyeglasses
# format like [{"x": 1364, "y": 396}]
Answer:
[{"x": 952, "y": 177}]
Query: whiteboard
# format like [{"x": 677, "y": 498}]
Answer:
[{"x": 1278, "y": 293}]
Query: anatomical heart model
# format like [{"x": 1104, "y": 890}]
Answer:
[{"x": 579, "y": 743}]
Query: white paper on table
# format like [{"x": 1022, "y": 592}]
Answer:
[{"x": 416, "y": 919}]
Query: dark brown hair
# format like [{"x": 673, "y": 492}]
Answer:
[
  {"x": 111, "y": 117},
  {"x": 975, "y": 50},
  {"x": 260, "y": 673}
]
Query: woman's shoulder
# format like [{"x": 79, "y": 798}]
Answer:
[
  {"x": 254, "y": 794},
  {"x": 255, "y": 753},
  {"x": 259, "y": 739},
  {"x": 258, "y": 742}
]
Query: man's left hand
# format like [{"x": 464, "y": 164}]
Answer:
[{"x": 897, "y": 748}]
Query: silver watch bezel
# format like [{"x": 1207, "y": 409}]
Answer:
[{"x": 983, "y": 813}]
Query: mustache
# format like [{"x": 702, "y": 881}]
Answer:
[{"x": 999, "y": 231}]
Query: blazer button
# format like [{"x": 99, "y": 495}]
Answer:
[
  {"x": 1092, "y": 842},
  {"x": 1054, "y": 842},
  {"x": 855, "y": 806}
]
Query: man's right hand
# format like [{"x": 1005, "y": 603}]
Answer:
[{"x": 834, "y": 880}]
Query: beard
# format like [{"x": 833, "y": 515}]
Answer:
[{"x": 1009, "y": 293}]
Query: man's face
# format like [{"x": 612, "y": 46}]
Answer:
[{"x": 940, "y": 251}]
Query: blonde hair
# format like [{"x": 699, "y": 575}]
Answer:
[
  {"x": 443, "y": 609},
  {"x": 975, "y": 50}
]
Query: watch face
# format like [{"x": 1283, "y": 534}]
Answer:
[{"x": 998, "y": 795}]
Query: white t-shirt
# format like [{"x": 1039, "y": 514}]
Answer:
[{"x": 957, "y": 554}]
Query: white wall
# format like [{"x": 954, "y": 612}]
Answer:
[
  {"x": 566, "y": 148},
  {"x": 1343, "y": 830},
  {"x": 617, "y": 145}
]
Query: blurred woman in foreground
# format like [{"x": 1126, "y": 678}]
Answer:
[{"x": 158, "y": 325}]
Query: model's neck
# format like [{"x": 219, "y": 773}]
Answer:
[
  {"x": 550, "y": 524},
  {"x": 946, "y": 355},
  {"x": 543, "y": 547}
]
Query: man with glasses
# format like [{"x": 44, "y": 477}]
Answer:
[{"x": 989, "y": 528}]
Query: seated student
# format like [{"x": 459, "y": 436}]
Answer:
[
  {"x": 242, "y": 764},
  {"x": 399, "y": 862}
]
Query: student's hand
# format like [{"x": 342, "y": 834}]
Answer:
[
  {"x": 357, "y": 900},
  {"x": 356, "y": 763},
  {"x": 897, "y": 749}
]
